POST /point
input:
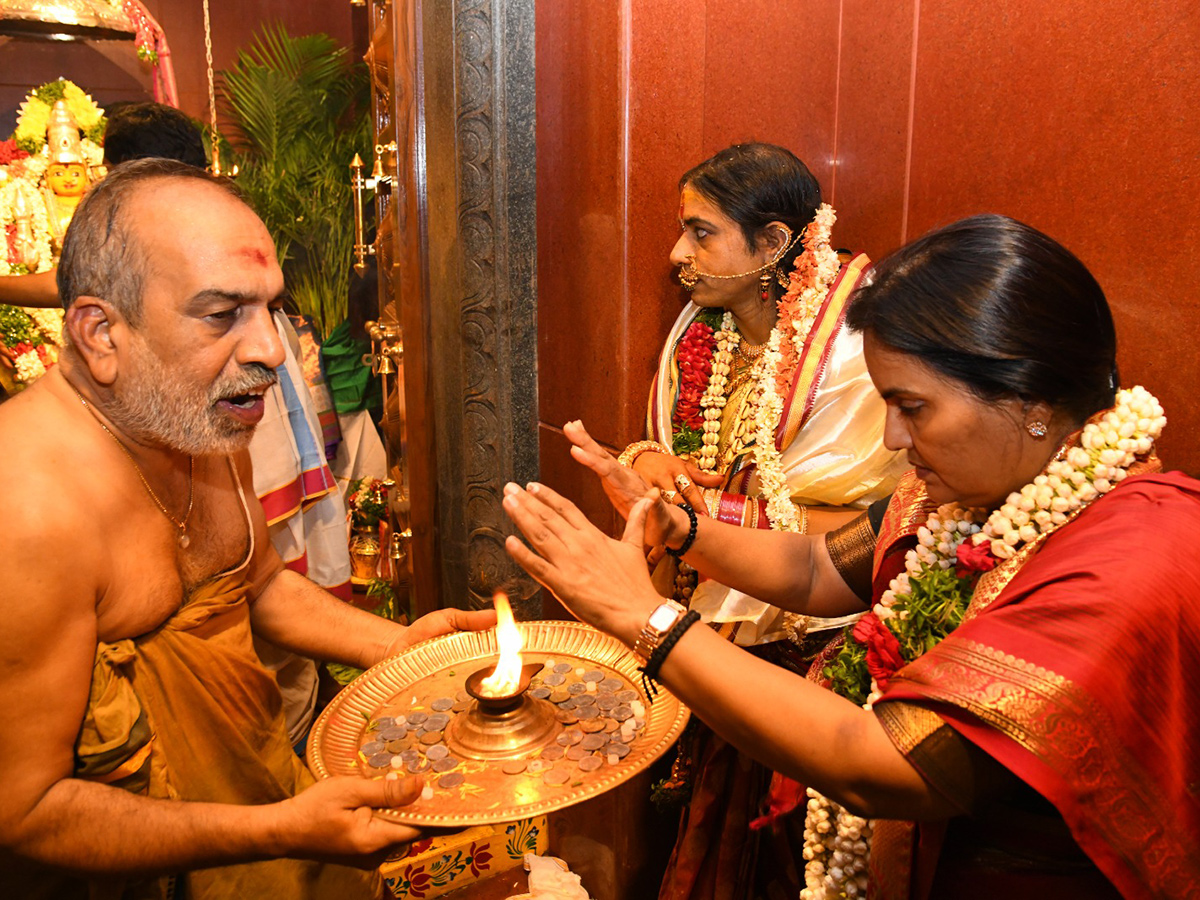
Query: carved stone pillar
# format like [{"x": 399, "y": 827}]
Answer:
[{"x": 480, "y": 213}]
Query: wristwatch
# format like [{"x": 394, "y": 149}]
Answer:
[{"x": 660, "y": 623}]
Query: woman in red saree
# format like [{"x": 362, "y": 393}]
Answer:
[{"x": 1013, "y": 716}]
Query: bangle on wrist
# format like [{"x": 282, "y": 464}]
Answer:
[
  {"x": 803, "y": 518},
  {"x": 693, "y": 524},
  {"x": 651, "y": 669},
  {"x": 637, "y": 448}
]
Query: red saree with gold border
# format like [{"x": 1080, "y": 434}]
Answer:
[{"x": 1076, "y": 677}]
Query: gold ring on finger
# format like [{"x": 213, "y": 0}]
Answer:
[
  {"x": 683, "y": 482},
  {"x": 669, "y": 496}
]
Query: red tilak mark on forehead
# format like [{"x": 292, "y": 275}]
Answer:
[{"x": 254, "y": 254}]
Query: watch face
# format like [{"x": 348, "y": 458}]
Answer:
[{"x": 663, "y": 618}]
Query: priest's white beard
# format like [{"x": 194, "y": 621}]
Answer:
[{"x": 159, "y": 405}]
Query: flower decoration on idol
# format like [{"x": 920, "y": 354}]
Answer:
[
  {"x": 35, "y": 112},
  {"x": 26, "y": 247},
  {"x": 956, "y": 547},
  {"x": 67, "y": 171},
  {"x": 29, "y": 342},
  {"x": 55, "y": 149},
  {"x": 367, "y": 503}
]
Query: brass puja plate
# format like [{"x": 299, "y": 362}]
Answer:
[{"x": 553, "y": 755}]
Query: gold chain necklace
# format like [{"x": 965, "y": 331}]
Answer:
[
  {"x": 183, "y": 540},
  {"x": 750, "y": 352}
]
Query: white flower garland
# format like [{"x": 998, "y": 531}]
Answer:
[
  {"x": 49, "y": 323},
  {"x": 1106, "y": 450},
  {"x": 836, "y": 852},
  {"x": 809, "y": 289},
  {"x": 809, "y": 285},
  {"x": 29, "y": 367}
]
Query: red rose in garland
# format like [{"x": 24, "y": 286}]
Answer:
[
  {"x": 883, "y": 650},
  {"x": 973, "y": 559}
]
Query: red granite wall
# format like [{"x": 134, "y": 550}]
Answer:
[
  {"x": 1080, "y": 119},
  {"x": 629, "y": 98}
]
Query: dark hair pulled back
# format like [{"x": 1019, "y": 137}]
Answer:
[
  {"x": 1001, "y": 308},
  {"x": 756, "y": 184}
]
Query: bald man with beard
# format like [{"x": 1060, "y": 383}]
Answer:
[{"x": 142, "y": 743}]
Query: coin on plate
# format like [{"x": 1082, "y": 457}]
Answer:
[
  {"x": 569, "y": 737},
  {"x": 593, "y": 741}
]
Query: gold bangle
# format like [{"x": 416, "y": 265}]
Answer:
[
  {"x": 712, "y": 501},
  {"x": 637, "y": 448},
  {"x": 803, "y": 518},
  {"x": 852, "y": 551}
]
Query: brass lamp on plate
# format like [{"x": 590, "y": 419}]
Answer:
[{"x": 572, "y": 723}]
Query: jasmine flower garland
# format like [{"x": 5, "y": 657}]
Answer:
[
  {"x": 815, "y": 270},
  {"x": 929, "y": 598}
]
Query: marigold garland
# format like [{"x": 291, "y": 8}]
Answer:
[
  {"x": 34, "y": 115},
  {"x": 814, "y": 273}
]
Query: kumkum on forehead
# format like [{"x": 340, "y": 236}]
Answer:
[{"x": 254, "y": 254}]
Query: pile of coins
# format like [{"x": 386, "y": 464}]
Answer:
[
  {"x": 601, "y": 716},
  {"x": 600, "y": 713},
  {"x": 412, "y": 741}
]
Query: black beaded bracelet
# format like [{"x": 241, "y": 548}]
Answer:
[
  {"x": 693, "y": 524},
  {"x": 659, "y": 654}
]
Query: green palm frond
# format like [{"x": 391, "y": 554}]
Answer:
[{"x": 298, "y": 107}]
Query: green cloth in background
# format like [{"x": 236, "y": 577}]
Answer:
[{"x": 350, "y": 382}]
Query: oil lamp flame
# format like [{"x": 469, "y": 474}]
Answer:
[{"x": 506, "y": 678}]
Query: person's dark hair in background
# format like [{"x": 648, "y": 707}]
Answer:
[{"x": 141, "y": 130}]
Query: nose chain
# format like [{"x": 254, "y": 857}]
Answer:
[
  {"x": 690, "y": 275},
  {"x": 183, "y": 540}
]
